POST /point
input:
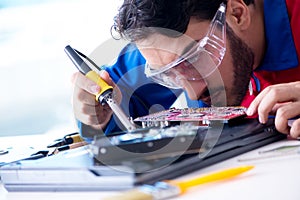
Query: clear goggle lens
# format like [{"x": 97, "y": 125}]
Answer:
[{"x": 199, "y": 62}]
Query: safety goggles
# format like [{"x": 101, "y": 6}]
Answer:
[{"x": 198, "y": 62}]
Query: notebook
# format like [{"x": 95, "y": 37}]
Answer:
[{"x": 101, "y": 166}]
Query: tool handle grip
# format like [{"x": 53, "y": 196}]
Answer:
[
  {"x": 83, "y": 67},
  {"x": 92, "y": 75}
]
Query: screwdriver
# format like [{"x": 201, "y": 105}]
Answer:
[
  {"x": 170, "y": 189},
  {"x": 105, "y": 94}
]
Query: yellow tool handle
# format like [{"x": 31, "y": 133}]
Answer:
[
  {"x": 76, "y": 138},
  {"x": 92, "y": 75},
  {"x": 220, "y": 175}
]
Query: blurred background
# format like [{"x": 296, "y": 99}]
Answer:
[{"x": 35, "y": 73}]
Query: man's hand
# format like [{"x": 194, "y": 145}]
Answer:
[
  {"x": 282, "y": 99},
  {"x": 85, "y": 107}
]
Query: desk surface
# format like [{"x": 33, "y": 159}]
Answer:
[{"x": 273, "y": 178}]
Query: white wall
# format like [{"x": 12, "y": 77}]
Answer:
[{"x": 35, "y": 87}]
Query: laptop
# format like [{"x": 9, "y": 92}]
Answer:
[{"x": 119, "y": 163}]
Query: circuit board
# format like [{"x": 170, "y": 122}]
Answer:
[{"x": 204, "y": 115}]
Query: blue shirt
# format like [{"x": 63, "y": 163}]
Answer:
[
  {"x": 281, "y": 51},
  {"x": 141, "y": 96}
]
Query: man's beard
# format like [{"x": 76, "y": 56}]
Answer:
[{"x": 242, "y": 60}]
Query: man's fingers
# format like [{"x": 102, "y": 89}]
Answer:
[
  {"x": 91, "y": 115},
  {"x": 252, "y": 109},
  {"x": 81, "y": 96},
  {"x": 268, "y": 99},
  {"x": 85, "y": 83},
  {"x": 105, "y": 76},
  {"x": 272, "y": 96},
  {"x": 264, "y": 103},
  {"x": 283, "y": 114},
  {"x": 295, "y": 129},
  {"x": 86, "y": 108}
]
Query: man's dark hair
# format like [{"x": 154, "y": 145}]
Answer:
[{"x": 135, "y": 15}]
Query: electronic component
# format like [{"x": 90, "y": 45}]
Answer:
[
  {"x": 203, "y": 115},
  {"x": 170, "y": 143}
]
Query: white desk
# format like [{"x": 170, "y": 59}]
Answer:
[{"x": 276, "y": 179}]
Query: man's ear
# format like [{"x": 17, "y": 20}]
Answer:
[{"x": 238, "y": 15}]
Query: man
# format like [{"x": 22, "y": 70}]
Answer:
[{"x": 260, "y": 49}]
